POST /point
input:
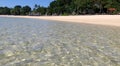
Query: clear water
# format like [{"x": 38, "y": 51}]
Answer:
[{"x": 32, "y": 42}]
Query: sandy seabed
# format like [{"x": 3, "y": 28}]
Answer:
[
  {"x": 34, "y": 42},
  {"x": 112, "y": 20}
]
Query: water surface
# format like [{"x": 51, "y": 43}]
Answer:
[{"x": 32, "y": 42}]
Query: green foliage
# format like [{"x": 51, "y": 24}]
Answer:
[
  {"x": 83, "y": 6},
  {"x": 17, "y": 10},
  {"x": 66, "y": 7},
  {"x": 4, "y": 11},
  {"x": 25, "y": 10}
]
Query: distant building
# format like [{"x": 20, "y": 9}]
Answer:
[
  {"x": 34, "y": 14},
  {"x": 111, "y": 10}
]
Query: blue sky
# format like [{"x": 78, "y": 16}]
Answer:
[{"x": 31, "y": 3}]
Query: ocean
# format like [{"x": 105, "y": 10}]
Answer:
[{"x": 34, "y": 42}]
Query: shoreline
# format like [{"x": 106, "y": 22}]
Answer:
[{"x": 110, "y": 20}]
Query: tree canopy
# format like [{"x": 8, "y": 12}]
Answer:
[{"x": 67, "y": 7}]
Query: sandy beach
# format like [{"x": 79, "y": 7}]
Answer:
[{"x": 112, "y": 20}]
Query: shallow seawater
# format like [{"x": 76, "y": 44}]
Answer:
[{"x": 32, "y": 42}]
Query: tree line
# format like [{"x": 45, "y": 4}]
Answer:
[
  {"x": 17, "y": 10},
  {"x": 66, "y": 7}
]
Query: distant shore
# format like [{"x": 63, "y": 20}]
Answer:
[{"x": 112, "y": 20}]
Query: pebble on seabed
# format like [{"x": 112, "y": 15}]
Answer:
[{"x": 9, "y": 53}]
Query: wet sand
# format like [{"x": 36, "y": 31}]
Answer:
[{"x": 112, "y": 20}]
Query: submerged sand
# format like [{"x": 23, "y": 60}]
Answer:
[
  {"x": 34, "y": 42},
  {"x": 112, "y": 20}
]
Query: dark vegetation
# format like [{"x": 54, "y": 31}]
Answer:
[{"x": 66, "y": 7}]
